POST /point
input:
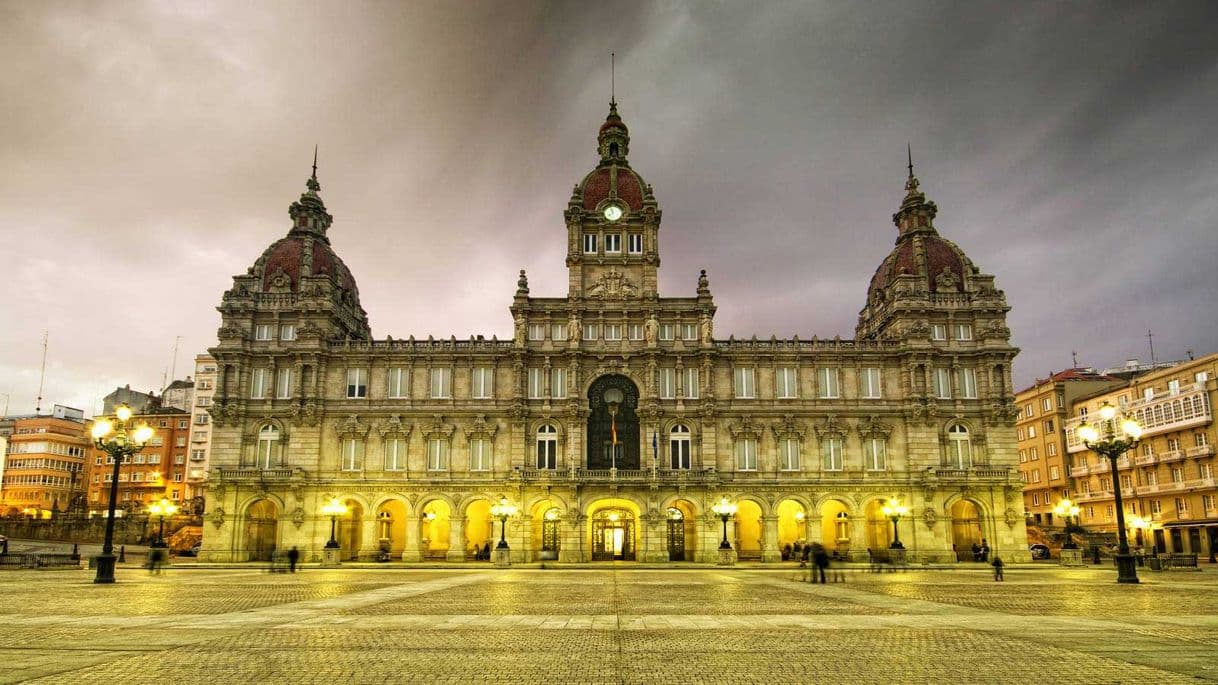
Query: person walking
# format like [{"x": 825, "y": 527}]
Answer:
[
  {"x": 997, "y": 564},
  {"x": 820, "y": 559},
  {"x": 293, "y": 558}
]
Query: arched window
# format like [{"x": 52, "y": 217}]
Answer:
[
  {"x": 959, "y": 447},
  {"x": 547, "y": 447},
  {"x": 268, "y": 447},
  {"x": 678, "y": 443},
  {"x": 841, "y": 526}
]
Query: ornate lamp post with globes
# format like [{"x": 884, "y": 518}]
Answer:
[
  {"x": 1071, "y": 555},
  {"x": 118, "y": 438},
  {"x": 1111, "y": 440},
  {"x": 161, "y": 510},
  {"x": 894, "y": 510},
  {"x": 332, "y": 508},
  {"x": 503, "y": 511},
  {"x": 725, "y": 510}
]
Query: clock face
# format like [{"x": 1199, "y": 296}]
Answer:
[{"x": 613, "y": 212}]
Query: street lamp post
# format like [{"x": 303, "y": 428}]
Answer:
[
  {"x": 724, "y": 510},
  {"x": 1104, "y": 439},
  {"x": 333, "y": 509},
  {"x": 894, "y": 510},
  {"x": 502, "y": 511},
  {"x": 118, "y": 438},
  {"x": 161, "y": 510},
  {"x": 1067, "y": 509}
]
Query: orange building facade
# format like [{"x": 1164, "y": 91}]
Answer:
[
  {"x": 159, "y": 471},
  {"x": 44, "y": 466}
]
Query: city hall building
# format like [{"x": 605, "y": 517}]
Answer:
[{"x": 614, "y": 419}]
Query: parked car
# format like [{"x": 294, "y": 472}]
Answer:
[{"x": 1039, "y": 551}]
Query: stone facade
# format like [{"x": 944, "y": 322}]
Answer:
[{"x": 614, "y": 419}]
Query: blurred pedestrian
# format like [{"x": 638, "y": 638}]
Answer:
[
  {"x": 156, "y": 557},
  {"x": 997, "y": 564},
  {"x": 820, "y": 559},
  {"x": 293, "y": 558}
]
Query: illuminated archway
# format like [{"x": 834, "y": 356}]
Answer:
[
  {"x": 749, "y": 534},
  {"x": 261, "y": 529},
  {"x": 434, "y": 526}
]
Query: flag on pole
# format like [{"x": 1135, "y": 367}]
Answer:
[
  {"x": 613, "y": 430},
  {"x": 655, "y": 445}
]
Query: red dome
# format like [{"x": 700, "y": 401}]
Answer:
[
  {"x": 284, "y": 257},
  {"x": 596, "y": 185},
  {"x": 939, "y": 255}
]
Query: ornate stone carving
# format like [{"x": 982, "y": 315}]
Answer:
[
  {"x": 745, "y": 426},
  {"x": 1011, "y": 518},
  {"x": 298, "y": 517},
  {"x": 917, "y": 329},
  {"x": 394, "y": 426},
  {"x": 438, "y": 428},
  {"x": 946, "y": 280},
  {"x": 787, "y": 426},
  {"x": 217, "y": 517},
  {"x": 352, "y": 426},
  {"x": 481, "y": 427},
  {"x": 930, "y": 517},
  {"x": 613, "y": 285},
  {"x": 832, "y": 427},
  {"x": 872, "y": 427}
]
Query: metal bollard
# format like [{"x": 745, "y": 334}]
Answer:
[{"x": 122, "y": 554}]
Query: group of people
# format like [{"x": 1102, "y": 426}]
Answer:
[
  {"x": 482, "y": 553},
  {"x": 981, "y": 551}
]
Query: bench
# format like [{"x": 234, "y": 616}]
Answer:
[{"x": 1176, "y": 560}]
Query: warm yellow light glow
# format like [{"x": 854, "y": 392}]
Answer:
[
  {"x": 123, "y": 413},
  {"x": 334, "y": 508},
  {"x": 724, "y": 508},
  {"x": 503, "y": 509},
  {"x": 430, "y": 516},
  {"x": 613, "y": 516},
  {"x": 552, "y": 515},
  {"x": 1088, "y": 433},
  {"x": 142, "y": 435},
  {"x": 893, "y": 507},
  {"x": 1131, "y": 428},
  {"x": 799, "y": 516},
  {"x": 1139, "y": 522},
  {"x": 102, "y": 428},
  {"x": 1107, "y": 411}
]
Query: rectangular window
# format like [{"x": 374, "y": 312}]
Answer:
[
  {"x": 786, "y": 385},
  {"x": 258, "y": 384},
  {"x": 746, "y": 454},
  {"x": 395, "y": 454},
  {"x": 1048, "y": 426},
  {"x": 689, "y": 331},
  {"x": 1035, "y": 475},
  {"x": 938, "y": 332},
  {"x": 482, "y": 382},
  {"x": 613, "y": 243},
  {"x": 636, "y": 331},
  {"x": 536, "y": 384},
  {"x": 667, "y": 331},
  {"x": 357, "y": 383},
  {"x": 352, "y": 456},
  {"x": 1034, "y": 454},
  {"x": 1051, "y": 449},
  {"x": 874, "y": 454},
  {"x": 869, "y": 384},
  {"x": 968, "y": 383},
  {"x": 964, "y": 331},
  {"x": 691, "y": 384},
  {"x": 537, "y": 331},
  {"x": 1173, "y": 387},
  {"x": 831, "y": 454},
  {"x": 198, "y": 455},
  {"x": 942, "y": 384},
  {"x": 1206, "y": 471},
  {"x": 635, "y": 243},
  {"x": 558, "y": 332},
  {"x": 591, "y": 331},
  {"x": 668, "y": 384},
  {"x": 1201, "y": 376},
  {"x": 398, "y": 383},
  {"x": 437, "y": 455},
  {"x": 287, "y": 332},
  {"x": 1035, "y": 499},
  {"x": 678, "y": 448},
  {"x": 589, "y": 243},
  {"x": 262, "y": 331},
  {"x": 441, "y": 384},
  {"x": 1181, "y": 505},
  {"x": 283, "y": 383},
  {"x": 201, "y": 419},
  {"x": 1055, "y": 473},
  {"x": 827, "y": 387},
  {"x": 788, "y": 454},
  {"x": 1156, "y": 506},
  {"x": 744, "y": 384},
  {"x": 479, "y": 454},
  {"x": 1046, "y": 405},
  {"x": 558, "y": 383},
  {"x": 1173, "y": 444},
  {"x": 1177, "y": 475},
  {"x": 1200, "y": 439},
  {"x": 613, "y": 331},
  {"x": 1152, "y": 478},
  {"x": 1023, "y": 456}
]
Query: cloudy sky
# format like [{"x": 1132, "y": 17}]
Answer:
[{"x": 149, "y": 151}]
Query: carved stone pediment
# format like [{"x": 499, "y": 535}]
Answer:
[
  {"x": 393, "y": 426},
  {"x": 613, "y": 285},
  {"x": 437, "y": 428},
  {"x": 745, "y": 427},
  {"x": 353, "y": 427},
  {"x": 872, "y": 427},
  {"x": 787, "y": 427},
  {"x": 480, "y": 427},
  {"x": 831, "y": 428}
]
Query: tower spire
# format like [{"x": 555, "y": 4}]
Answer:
[
  {"x": 613, "y": 79},
  {"x": 909, "y": 153},
  {"x": 313, "y": 185}
]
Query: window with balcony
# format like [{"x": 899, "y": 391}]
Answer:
[
  {"x": 547, "y": 447},
  {"x": 679, "y": 447},
  {"x": 959, "y": 447}
]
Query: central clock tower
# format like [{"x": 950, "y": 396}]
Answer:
[{"x": 613, "y": 223}]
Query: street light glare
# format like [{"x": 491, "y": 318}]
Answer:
[
  {"x": 102, "y": 428},
  {"x": 142, "y": 435},
  {"x": 1088, "y": 433},
  {"x": 1107, "y": 412},
  {"x": 123, "y": 413},
  {"x": 1131, "y": 428}
]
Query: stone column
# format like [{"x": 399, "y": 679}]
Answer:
[
  {"x": 858, "y": 537},
  {"x": 572, "y": 530},
  {"x": 769, "y": 537},
  {"x": 522, "y": 541},
  {"x": 456, "y": 539},
  {"x": 411, "y": 551},
  {"x": 370, "y": 539},
  {"x": 814, "y": 528}
]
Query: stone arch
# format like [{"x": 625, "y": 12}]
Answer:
[
  {"x": 387, "y": 498},
  {"x": 681, "y": 528},
  {"x": 435, "y": 514},
  {"x": 750, "y": 528},
  {"x": 766, "y": 509},
  {"x": 968, "y": 525},
  {"x": 391, "y": 514},
  {"x": 603, "y": 423},
  {"x": 558, "y": 500},
  {"x": 545, "y": 514},
  {"x": 851, "y": 505},
  {"x": 260, "y": 527},
  {"x": 614, "y": 527},
  {"x": 793, "y": 514},
  {"x": 836, "y": 515}
]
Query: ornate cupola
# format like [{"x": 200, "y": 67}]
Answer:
[
  {"x": 926, "y": 279},
  {"x": 298, "y": 280},
  {"x": 612, "y": 223}
]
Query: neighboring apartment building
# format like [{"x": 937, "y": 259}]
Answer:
[
  {"x": 138, "y": 401},
  {"x": 1043, "y": 464},
  {"x": 159, "y": 470},
  {"x": 179, "y": 394},
  {"x": 44, "y": 463},
  {"x": 200, "y": 427},
  {"x": 1168, "y": 481}
]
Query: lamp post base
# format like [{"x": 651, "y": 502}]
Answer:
[
  {"x": 1127, "y": 570},
  {"x": 330, "y": 556},
  {"x": 503, "y": 557},
  {"x": 727, "y": 557},
  {"x": 105, "y": 568}
]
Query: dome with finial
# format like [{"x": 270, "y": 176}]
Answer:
[
  {"x": 939, "y": 264},
  {"x": 612, "y": 178}
]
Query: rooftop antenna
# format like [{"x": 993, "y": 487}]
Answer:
[
  {"x": 1151, "y": 338},
  {"x": 1074, "y": 359},
  {"x": 5, "y": 404},
  {"x": 42, "y": 376},
  {"x": 173, "y": 369}
]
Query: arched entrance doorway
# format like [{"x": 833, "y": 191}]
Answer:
[
  {"x": 613, "y": 426},
  {"x": 546, "y": 517},
  {"x": 835, "y": 527},
  {"x": 613, "y": 535},
  {"x": 391, "y": 528},
  {"x": 749, "y": 541},
  {"x": 792, "y": 526},
  {"x": 879, "y": 527},
  {"x": 966, "y": 529},
  {"x": 479, "y": 530},
  {"x": 434, "y": 526},
  {"x": 261, "y": 529}
]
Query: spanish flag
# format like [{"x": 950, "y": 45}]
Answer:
[{"x": 613, "y": 430}]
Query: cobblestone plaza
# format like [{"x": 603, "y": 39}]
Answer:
[{"x": 606, "y": 624}]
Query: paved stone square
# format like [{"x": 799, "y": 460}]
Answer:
[{"x": 606, "y": 624}]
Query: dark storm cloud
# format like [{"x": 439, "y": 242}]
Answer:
[{"x": 150, "y": 151}]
